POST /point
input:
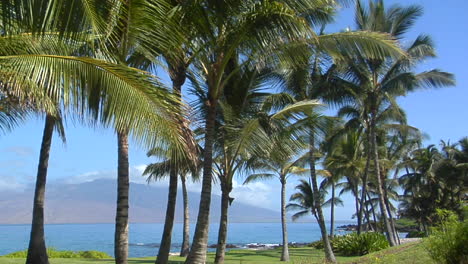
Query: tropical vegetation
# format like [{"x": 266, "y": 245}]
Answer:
[{"x": 259, "y": 76}]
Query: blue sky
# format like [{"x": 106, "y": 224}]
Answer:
[{"x": 91, "y": 153}]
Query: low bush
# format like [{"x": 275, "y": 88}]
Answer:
[
  {"x": 448, "y": 242},
  {"x": 53, "y": 253},
  {"x": 358, "y": 245},
  {"x": 412, "y": 234},
  {"x": 316, "y": 244}
]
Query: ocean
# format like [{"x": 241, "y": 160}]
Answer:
[{"x": 144, "y": 239}]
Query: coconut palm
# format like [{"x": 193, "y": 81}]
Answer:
[
  {"x": 280, "y": 164},
  {"x": 243, "y": 125},
  {"x": 258, "y": 28},
  {"x": 377, "y": 83},
  {"x": 434, "y": 179},
  {"x": 162, "y": 170},
  {"x": 95, "y": 88},
  {"x": 228, "y": 28},
  {"x": 303, "y": 200},
  {"x": 330, "y": 181}
]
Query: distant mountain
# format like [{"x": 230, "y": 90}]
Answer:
[{"x": 94, "y": 202}]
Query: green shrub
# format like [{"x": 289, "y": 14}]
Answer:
[
  {"x": 93, "y": 254},
  {"x": 358, "y": 245},
  {"x": 53, "y": 253},
  {"x": 17, "y": 254},
  {"x": 316, "y": 244},
  {"x": 412, "y": 234},
  {"x": 448, "y": 242}
]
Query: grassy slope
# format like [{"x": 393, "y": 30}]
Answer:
[{"x": 412, "y": 253}]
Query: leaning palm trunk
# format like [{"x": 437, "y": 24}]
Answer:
[
  {"x": 121, "y": 218},
  {"x": 222, "y": 233},
  {"x": 186, "y": 234},
  {"x": 177, "y": 74},
  {"x": 332, "y": 211},
  {"x": 387, "y": 226},
  {"x": 37, "y": 252},
  {"x": 285, "y": 251},
  {"x": 197, "y": 254},
  {"x": 330, "y": 257},
  {"x": 165, "y": 247}
]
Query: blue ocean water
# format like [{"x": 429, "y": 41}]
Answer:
[{"x": 145, "y": 238}]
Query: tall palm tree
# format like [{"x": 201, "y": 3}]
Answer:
[
  {"x": 345, "y": 159},
  {"x": 377, "y": 83},
  {"x": 227, "y": 29},
  {"x": 243, "y": 125},
  {"x": 279, "y": 164},
  {"x": 164, "y": 169},
  {"x": 95, "y": 88},
  {"x": 330, "y": 181},
  {"x": 260, "y": 28}
]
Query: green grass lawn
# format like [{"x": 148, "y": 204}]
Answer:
[{"x": 411, "y": 253}]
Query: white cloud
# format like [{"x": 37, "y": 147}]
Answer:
[
  {"x": 135, "y": 175},
  {"x": 20, "y": 151},
  {"x": 257, "y": 194},
  {"x": 11, "y": 184}
]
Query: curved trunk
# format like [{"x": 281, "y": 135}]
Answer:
[
  {"x": 223, "y": 222},
  {"x": 332, "y": 211},
  {"x": 37, "y": 252},
  {"x": 186, "y": 236},
  {"x": 330, "y": 257},
  {"x": 197, "y": 254},
  {"x": 165, "y": 247},
  {"x": 121, "y": 218},
  {"x": 177, "y": 75},
  {"x": 285, "y": 251},
  {"x": 387, "y": 226}
]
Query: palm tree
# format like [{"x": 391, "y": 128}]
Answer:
[
  {"x": 93, "y": 87},
  {"x": 434, "y": 179},
  {"x": 330, "y": 181},
  {"x": 243, "y": 125},
  {"x": 378, "y": 82},
  {"x": 279, "y": 164},
  {"x": 163, "y": 169},
  {"x": 227, "y": 28},
  {"x": 303, "y": 200},
  {"x": 345, "y": 159}
]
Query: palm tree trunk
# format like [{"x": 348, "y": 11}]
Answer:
[
  {"x": 197, "y": 254},
  {"x": 356, "y": 200},
  {"x": 330, "y": 257},
  {"x": 392, "y": 223},
  {"x": 363, "y": 189},
  {"x": 223, "y": 222},
  {"x": 332, "y": 211},
  {"x": 186, "y": 236},
  {"x": 387, "y": 226},
  {"x": 367, "y": 214},
  {"x": 374, "y": 215},
  {"x": 285, "y": 251},
  {"x": 121, "y": 218},
  {"x": 177, "y": 75},
  {"x": 37, "y": 252},
  {"x": 165, "y": 248}
]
